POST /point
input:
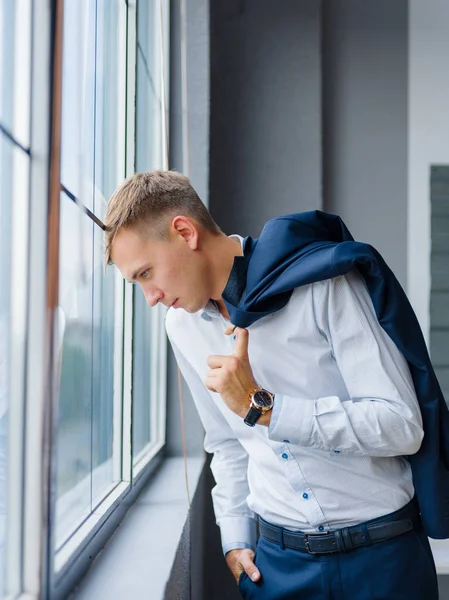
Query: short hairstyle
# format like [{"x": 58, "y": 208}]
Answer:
[{"x": 153, "y": 198}]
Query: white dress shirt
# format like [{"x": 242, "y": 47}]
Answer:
[{"x": 345, "y": 414}]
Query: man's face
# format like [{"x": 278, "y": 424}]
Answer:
[{"x": 171, "y": 271}]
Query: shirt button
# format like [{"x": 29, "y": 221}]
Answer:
[
  {"x": 320, "y": 528},
  {"x": 286, "y": 441},
  {"x": 336, "y": 451},
  {"x": 305, "y": 496},
  {"x": 285, "y": 456}
]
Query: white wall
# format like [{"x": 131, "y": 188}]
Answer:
[{"x": 428, "y": 138}]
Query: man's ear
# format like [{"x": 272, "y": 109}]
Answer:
[{"x": 187, "y": 229}]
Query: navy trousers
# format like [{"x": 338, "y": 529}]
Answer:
[{"x": 400, "y": 568}]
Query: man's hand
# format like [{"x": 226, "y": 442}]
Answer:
[
  {"x": 242, "y": 560},
  {"x": 232, "y": 377}
]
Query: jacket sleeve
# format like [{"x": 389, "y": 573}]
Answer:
[
  {"x": 380, "y": 415},
  {"x": 229, "y": 465}
]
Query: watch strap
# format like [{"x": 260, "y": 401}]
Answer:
[{"x": 253, "y": 416}]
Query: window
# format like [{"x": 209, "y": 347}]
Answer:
[
  {"x": 108, "y": 373},
  {"x": 111, "y": 372}
]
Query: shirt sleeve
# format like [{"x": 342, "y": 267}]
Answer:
[
  {"x": 229, "y": 465},
  {"x": 380, "y": 415}
]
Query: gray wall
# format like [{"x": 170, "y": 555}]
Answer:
[
  {"x": 309, "y": 110},
  {"x": 265, "y": 119},
  {"x": 365, "y": 109}
]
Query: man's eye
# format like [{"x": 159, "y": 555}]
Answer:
[{"x": 145, "y": 274}]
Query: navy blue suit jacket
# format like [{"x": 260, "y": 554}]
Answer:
[{"x": 298, "y": 249}]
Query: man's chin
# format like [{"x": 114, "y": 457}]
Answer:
[{"x": 196, "y": 308}]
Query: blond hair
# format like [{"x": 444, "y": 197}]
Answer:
[{"x": 151, "y": 199}]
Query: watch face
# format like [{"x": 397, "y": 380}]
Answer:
[{"x": 262, "y": 399}]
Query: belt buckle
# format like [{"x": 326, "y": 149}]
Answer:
[{"x": 307, "y": 545}]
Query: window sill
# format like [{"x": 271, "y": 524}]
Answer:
[{"x": 137, "y": 560}]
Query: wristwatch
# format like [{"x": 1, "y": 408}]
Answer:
[{"x": 261, "y": 402}]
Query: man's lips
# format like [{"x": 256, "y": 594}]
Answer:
[{"x": 174, "y": 305}]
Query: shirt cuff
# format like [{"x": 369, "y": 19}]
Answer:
[
  {"x": 236, "y": 546},
  {"x": 243, "y": 529},
  {"x": 292, "y": 420}
]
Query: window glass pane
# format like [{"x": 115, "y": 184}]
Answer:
[
  {"x": 75, "y": 395},
  {"x": 78, "y": 89},
  {"x": 107, "y": 102},
  {"x": 14, "y": 178},
  {"x": 6, "y": 62},
  {"x": 149, "y": 88},
  {"x": 15, "y": 40},
  {"x": 141, "y": 372},
  {"x": 5, "y": 243},
  {"x": 103, "y": 372}
]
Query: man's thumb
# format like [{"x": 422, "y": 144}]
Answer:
[
  {"x": 250, "y": 569},
  {"x": 241, "y": 343}
]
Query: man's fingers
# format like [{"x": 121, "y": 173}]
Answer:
[
  {"x": 214, "y": 361},
  {"x": 211, "y": 381},
  {"x": 230, "y": 329},
  {"x": 241, "y": 343},
  {"x": 250, "y": 568}
]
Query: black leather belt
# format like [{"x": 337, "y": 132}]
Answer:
[{"x": 348, "y": 538}]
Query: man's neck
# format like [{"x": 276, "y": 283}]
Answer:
[{"x": 225, "y": 260}]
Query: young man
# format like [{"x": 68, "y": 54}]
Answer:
[{"x": 309, "y": 411}]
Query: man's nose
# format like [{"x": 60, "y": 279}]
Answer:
[{"x": 152, "y": 296}]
